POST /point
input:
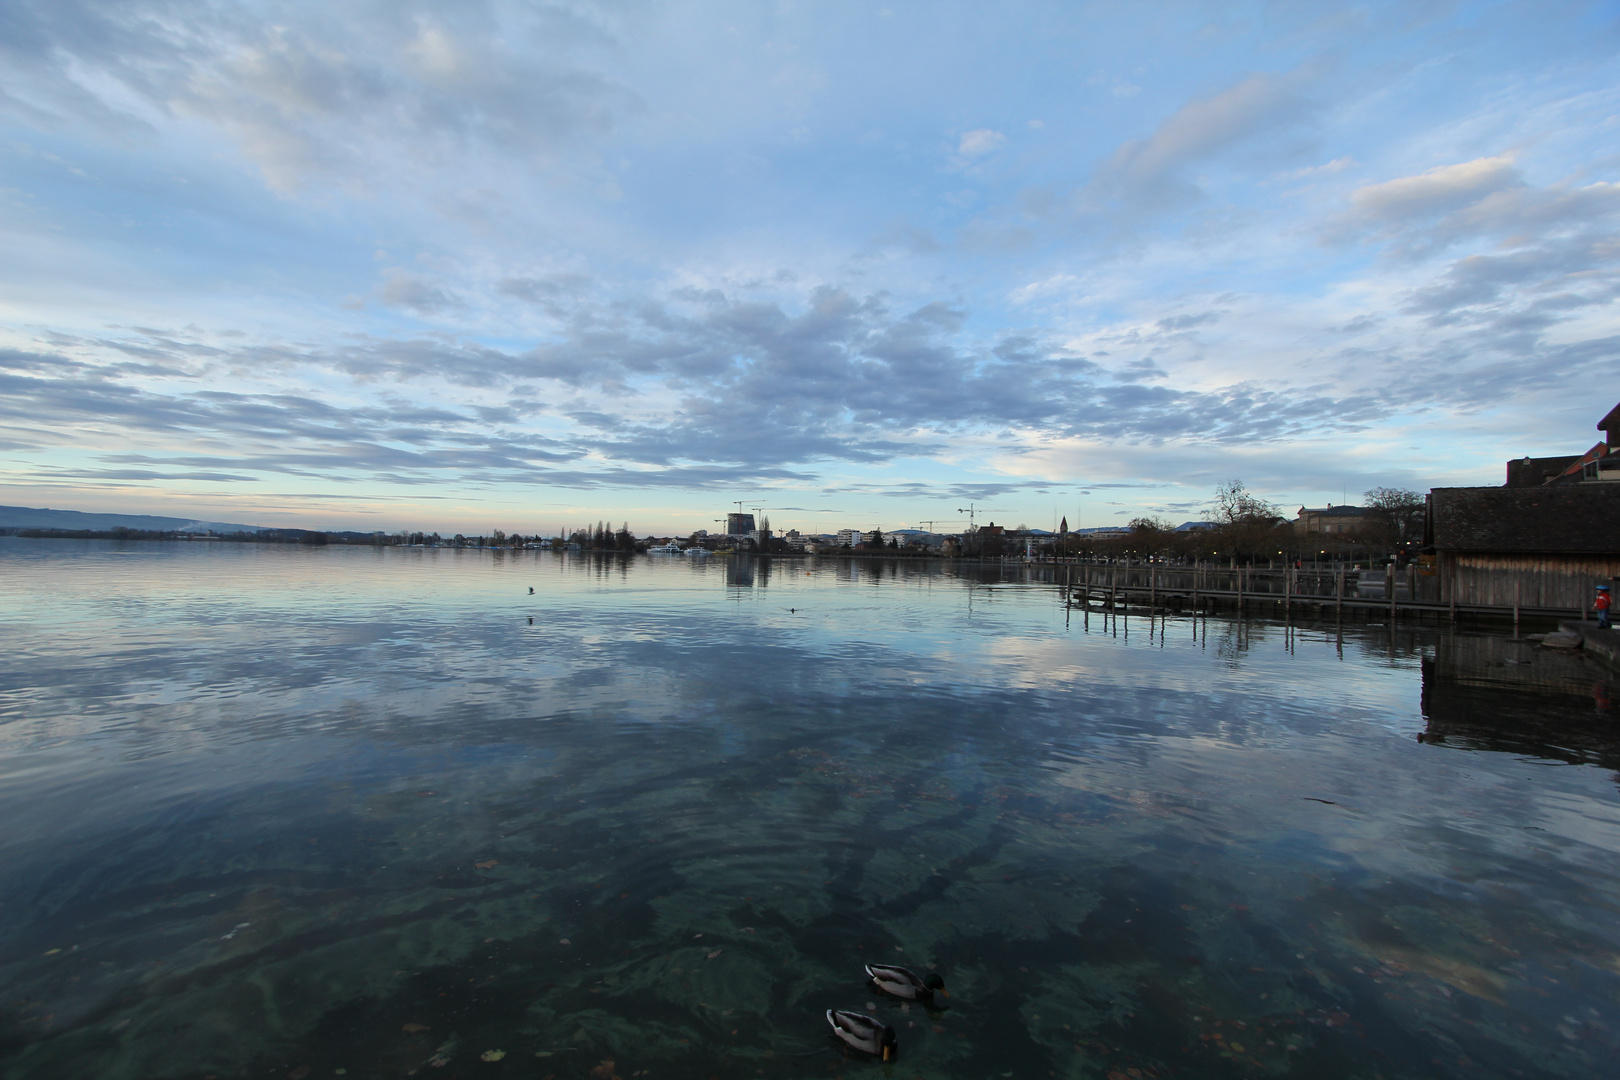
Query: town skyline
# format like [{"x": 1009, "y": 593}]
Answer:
[{"x": 518, "y": 267}]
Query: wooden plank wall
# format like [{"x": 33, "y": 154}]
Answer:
[{"x": 1539, "y": 581}]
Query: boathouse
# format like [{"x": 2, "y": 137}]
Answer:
[{"x": 1532, "y": 547}]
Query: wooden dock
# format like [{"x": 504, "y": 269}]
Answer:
[{"x": 1155, "y": 588}]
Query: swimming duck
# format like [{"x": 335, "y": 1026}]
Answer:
[
  {"x": 902, "y": 983},
  {"x": 864, "y": 1033}
]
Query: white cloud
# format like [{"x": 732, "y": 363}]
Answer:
[
  {"x": 1445, "y": 187},
  {"x": 979, "y": 142},
  {"x": 1149, "y": 172},
  {"x": 1337, "y": 165}
]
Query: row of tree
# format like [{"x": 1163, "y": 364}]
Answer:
[
  {"x": 1241, "y": 526},
  {"x": 1246, "y": 527}
]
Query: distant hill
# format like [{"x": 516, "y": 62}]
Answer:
[{"x": 28, "y": 517}]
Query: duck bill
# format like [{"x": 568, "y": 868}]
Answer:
[
  {"x": 885, "y": 1053},
  {"x": 944, "y": 993}
]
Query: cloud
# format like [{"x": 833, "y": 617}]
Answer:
[
  {"x": 1337, "y": 165},
  {"x": 1176, "y": 323},
  {"x": 545, "y": 290},
  {"x": 641, "y": 394},
  {"x": 306, "y": 93},
  {"x": 1443, "y": 188},
  {"x": 410, "y": 291},
  {"x": 1150, "y": 173},
  {"x": 979, "y": 142},
  {"x": 1485, "y": 199}
]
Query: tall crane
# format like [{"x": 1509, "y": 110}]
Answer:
[{"x": 972, "y": 510}]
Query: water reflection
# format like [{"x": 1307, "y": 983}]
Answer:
[
  {"x": 342, "y": 809},
  {"x": 1495, "y": 693}
]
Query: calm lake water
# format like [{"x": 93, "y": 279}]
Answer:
[{"x": 277, "y": 811}]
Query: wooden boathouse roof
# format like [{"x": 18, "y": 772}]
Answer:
[{"x": 1572, "y": 519}]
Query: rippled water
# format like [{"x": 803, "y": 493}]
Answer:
[{"x": 273, "y": 811}]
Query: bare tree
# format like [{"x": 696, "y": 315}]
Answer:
[
  {"x": 1245, "y": 524},
  {"x": 1394, "y": 516},
  {"x": 1235, "y": 504}
]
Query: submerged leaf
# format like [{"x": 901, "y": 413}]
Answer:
[{"x": 492, "y": 1055}]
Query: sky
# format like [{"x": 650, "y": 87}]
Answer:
[{"x": 473, "y": 265}]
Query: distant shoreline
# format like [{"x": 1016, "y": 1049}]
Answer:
[{"x": 306, "y": 538}]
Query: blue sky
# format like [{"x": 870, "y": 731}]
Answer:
[{"x": 481, "y": 265}]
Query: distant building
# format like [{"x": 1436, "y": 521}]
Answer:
[
  {"x": 739, "y": 524},
  {"x": 1330, "y": 520},
  {"x": 1533, "y": 472},
  {"x": 1601, "y": 462}
]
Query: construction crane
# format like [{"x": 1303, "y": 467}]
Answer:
[
  {"x": 972, "y": 510},
  {"x": 931, "y": 522}
]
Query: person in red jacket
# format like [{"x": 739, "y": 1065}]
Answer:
[{"x": 1601, "y": 604}]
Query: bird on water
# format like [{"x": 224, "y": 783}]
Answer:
[
  {"x": 903, "y": 983},
  {"x": 864, "y": 1033}
]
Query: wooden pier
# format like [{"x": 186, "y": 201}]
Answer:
[{"x": 1157, "y": 587}]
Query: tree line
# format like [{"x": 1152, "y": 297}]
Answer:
[{"x": 1246, "y": 527}]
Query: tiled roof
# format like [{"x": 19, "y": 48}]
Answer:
[{"x": 1554, "y": 518}]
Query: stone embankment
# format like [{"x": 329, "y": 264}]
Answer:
[{"x": 1593, "y": 639}]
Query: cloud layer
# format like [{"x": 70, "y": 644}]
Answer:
[{"x": 412, "y": 252}]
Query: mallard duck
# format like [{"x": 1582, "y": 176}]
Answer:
[
  {"x": 902, "y": 983},
  {"x": 864, "y": 1033}
]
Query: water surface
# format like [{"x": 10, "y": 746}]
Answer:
[{"x": 277, "y": 811}]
